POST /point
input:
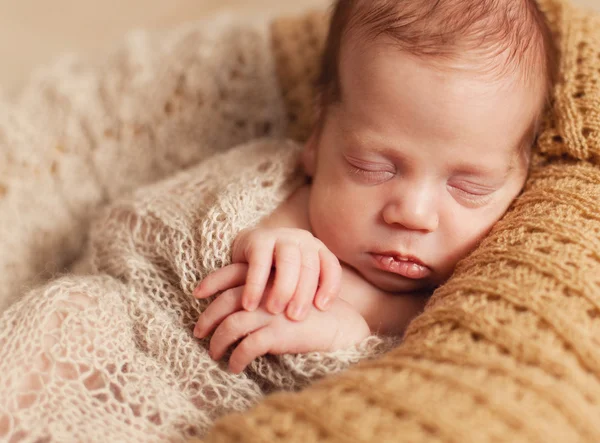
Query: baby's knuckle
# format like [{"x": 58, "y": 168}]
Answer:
[
  {"x": 283, "y": 232},
  {"x": 255, "y": 241},
  {"x": 337, "y": 265},
  {"x": 230, "y": 326},
  {"x": 305, "y": 233},
  {"x": 290, "y": 258},
  {"x": 308, "y": 238},
  {"x": 244, "y": 235},
  {"x": 296, "y": 234},
  {"x": 260, "y": 235},
  {"x": 320, "y": 245},
  {"x": 332, "y": 258},
  {"x": 311, "y": 263},
  {"x": 229, "y": 294},
  {"x": 246, "y": 346},
  {"x": 254, "y": 280},
  {"x": 257, "y": 342},
  {"x": 318, "y": 241}
]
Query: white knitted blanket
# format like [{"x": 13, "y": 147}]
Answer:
[
  {"x": 82, "y": 134},
  {"x": 106, "y": 353}
]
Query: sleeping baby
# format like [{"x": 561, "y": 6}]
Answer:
[
  {"x": 428, "y": 111},
  {"x": 303, "y": 260}
]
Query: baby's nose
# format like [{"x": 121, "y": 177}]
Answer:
[{"x": 416, "y": 211}]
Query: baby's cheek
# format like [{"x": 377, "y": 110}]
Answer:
[
  {"x": 332, "y": 220},
  {"x": 462, "y": 236}
]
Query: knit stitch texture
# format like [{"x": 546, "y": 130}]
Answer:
[
  {"x": 107, "y": 352},
  {"x": 508, "y": 349}
]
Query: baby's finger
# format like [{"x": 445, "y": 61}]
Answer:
[
  {"x": 330, "y": 279},
  {"x": 256, "y": 344},
  {"x": 260, "y": 259},
  {"x": 235, "y": 327},
  {"x": 227, "y": 277},
  {"x": 307, "y": 286},
  {"x": 288, "y": 261},
  {"x": 224, "y": 305}
]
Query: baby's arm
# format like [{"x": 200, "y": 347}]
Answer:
[
  {"x": 306, "y": 272},
  {"x": 386, "y": 313}
]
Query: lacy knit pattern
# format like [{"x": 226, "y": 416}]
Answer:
[
  {"x": 106, "y": 353},
  {"x": 506, "y": 350},
  {"x": 90, "y": 357},
  {"x": 81, "y": 134},
  {"x": 509, "y": 348}
]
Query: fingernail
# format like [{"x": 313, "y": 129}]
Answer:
[
  {"x": 296, "y": 312},
  {"x": 324, "y": 302},
  {"x": 198, "y": 333},
  {"x": 275, "y": 307},
  {"x": 196, "y": 291},
  {"x": 250, "y": 305}
]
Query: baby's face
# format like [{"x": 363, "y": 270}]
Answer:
[{"x": 414, "y": 165}]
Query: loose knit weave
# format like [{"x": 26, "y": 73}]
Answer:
[
  {"x": 506, "y": 350},
  {"x": 108, "y": 354},
  {"x": 81, "y": 134}
]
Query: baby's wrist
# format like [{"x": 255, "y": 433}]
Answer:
[
  {"x": 350, "y": 334},
  {"x": 360, "y": 331}
]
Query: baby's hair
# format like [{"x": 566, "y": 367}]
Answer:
[{"x": 504, "y": 36}]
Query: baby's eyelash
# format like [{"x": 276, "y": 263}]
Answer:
[
  {"x": 476, "y": 198},
  {"x": 372, "y": 176}
]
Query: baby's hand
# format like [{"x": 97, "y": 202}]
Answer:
[
  {"x": 261, "y": 332},
  {"x": 306, "y": 272}
]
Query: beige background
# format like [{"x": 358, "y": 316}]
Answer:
[{"x": 32, "y": 32}]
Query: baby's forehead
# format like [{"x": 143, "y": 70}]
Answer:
[
  {"x": 500, "y": 37},
  {"x": 484, "y": 64},
  {"x": 368, "y": 65}
]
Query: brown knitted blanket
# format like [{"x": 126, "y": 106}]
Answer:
[
  {"x": 509, "y": 348},
  {"x": 506, "y": 350}
]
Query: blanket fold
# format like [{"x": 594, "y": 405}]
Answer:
[
  {"x": 505, "y": 351},
  {"x": 82, "y": 134},
  {"x": 151, "y": 249}
]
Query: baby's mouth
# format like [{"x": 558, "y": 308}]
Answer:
[{"x": 405, "y": 266}]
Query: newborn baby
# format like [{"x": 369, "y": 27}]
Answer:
[
  {"x": 428, "y": 110},
  {"x": 427, "y": 114}
]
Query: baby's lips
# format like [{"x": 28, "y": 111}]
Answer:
[{"x": 407, "y": 268}]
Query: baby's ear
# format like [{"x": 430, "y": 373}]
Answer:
[{"x": 309, "y": 154}]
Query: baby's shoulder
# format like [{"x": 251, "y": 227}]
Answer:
[{"x": 292, "y": 213}]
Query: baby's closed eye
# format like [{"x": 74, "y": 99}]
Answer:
[
  {"x": 370, "y": 172},
  {"x": 472, "y": 193}
]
